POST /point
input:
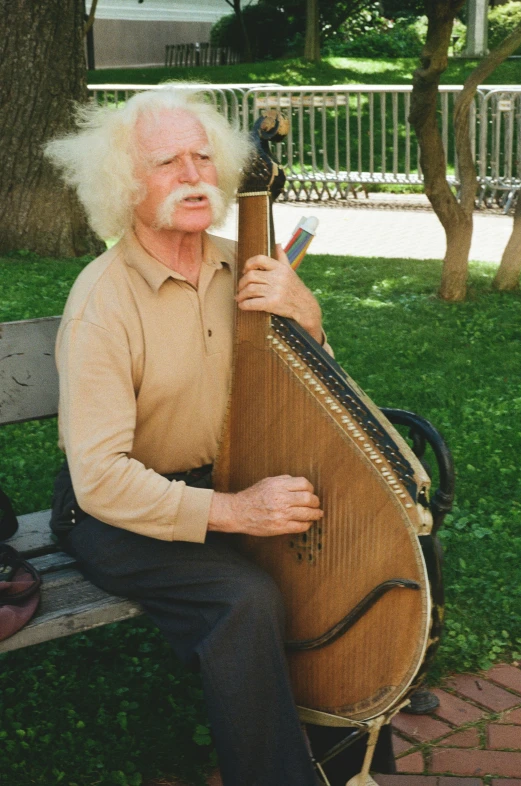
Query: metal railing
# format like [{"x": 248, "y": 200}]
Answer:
[
  {"x": 499, "y": 166},
  {"x": 227, "y": 98},
  {"x": 344, "y": 137},
  {"x": 183, "y": 55}
]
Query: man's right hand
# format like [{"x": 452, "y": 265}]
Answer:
[{"x": 273, "y": 506}]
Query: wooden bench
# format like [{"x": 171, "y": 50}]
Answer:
[{"x": 69, "y": 604}]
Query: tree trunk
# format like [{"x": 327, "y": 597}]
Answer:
[
  {"x": 42, "y": 71},
  {"x": 455, "y": 265},
  {"x": 507, "y": 276},
  {"x": 456, "y": 222},
  {"x": 312, "y": 42},
  {"x": 246, "y": 53}
]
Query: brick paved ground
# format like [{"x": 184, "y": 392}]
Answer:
[{"x": 473, "y": 738}]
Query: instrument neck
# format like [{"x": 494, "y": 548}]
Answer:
[{"x": 256, "y": 234}]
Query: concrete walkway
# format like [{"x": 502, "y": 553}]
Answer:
[{"x": 384, "y": 231}]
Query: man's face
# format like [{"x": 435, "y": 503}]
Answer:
[{"x": 174, "y": 156}]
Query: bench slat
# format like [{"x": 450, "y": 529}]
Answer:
[
  {"x": 69, "y": 604},
  {"x": 28, "y": 377},
  {"x": 51, "y": 563},
  {"x": 33, "y": 535}
]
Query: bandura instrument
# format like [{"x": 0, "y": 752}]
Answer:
[{"x": 355, "y": 585}]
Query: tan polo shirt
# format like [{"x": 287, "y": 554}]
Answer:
[{"x": 144, "y": 362}]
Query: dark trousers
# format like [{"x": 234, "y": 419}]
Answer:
[{"x": 216, "y": 608}]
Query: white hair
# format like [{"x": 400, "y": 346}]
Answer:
[{"x": 99, "y": 159}]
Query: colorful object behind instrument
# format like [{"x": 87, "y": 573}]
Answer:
[{"x": 302, "y": 236}]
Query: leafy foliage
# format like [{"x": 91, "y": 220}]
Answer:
[
  {"x": 502, "y": 20},
  {"x": 111, "y": 708},
  {"x": 268, "y": 31},
  {"x": 401, "y": 38},
  {"x": 399, "y": 9},
  {"x": 278, "y": 26}
]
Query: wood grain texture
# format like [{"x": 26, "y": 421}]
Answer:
[{"x": 28, "y": 376}]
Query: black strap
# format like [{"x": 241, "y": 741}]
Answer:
[{"x": 8, "y": 520}]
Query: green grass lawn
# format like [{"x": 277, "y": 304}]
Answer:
[
  {"x": 113, "y": 708},
  {"x": 331, "y": 71}
]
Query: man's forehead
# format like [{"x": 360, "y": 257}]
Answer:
[{"x": 170, "y": 127}]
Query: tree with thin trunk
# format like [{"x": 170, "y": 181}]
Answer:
[
  {"x": 42, "y": 73},
  {"x": 456, "y": 215},
  {"x": 246, "y": 53},
  {"x": 312, "y": 40},
  {"x": 89, "y": 22},
  {"x": 423, "y": 117},
  {"x": 507, "y": 276}
]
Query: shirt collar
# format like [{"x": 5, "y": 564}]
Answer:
[{"x": 153, "y": 271}]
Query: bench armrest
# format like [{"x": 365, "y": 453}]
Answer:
[{"x": 423, "y": 433}]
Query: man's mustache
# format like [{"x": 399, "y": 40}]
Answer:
[{"x": 214, "y": 195}]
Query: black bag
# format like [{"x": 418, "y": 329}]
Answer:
[{"x": 66, "y": 512}]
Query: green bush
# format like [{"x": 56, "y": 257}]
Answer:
[
  {"x": 267, "y": 29},
  {"x": 459, "y": 29},
  {"x": 502, "y": 20},
  {"x": 394, "y": 9},
  {"x": 402, "y": 38}
]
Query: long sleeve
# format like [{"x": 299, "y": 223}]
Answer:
[
  {"x": 97, "y": 420},
  {"x": 144, "y": 361}
]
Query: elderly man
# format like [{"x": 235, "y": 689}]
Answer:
[{"x": 144, "y": 355}]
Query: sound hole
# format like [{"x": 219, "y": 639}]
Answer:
[{"x": 307, "y": 546}]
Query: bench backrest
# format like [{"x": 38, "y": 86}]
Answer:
[{"x": 28, "y": 376}]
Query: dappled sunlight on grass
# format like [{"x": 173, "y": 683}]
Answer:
[
  {"x": 390, "y": 284},
  {"x": 296, "y": 71},
  {"x": 372, "y": 303},
  {"x": 373, "y": 276}
]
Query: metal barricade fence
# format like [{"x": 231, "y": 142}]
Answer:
[
  {"x": 203, "y": 54},
  {"x": 341, "y": 137},
  {"x": 345, "y": 136},
  {"x": 227, "y": 98},
  {"x": 499, "y": 168}
]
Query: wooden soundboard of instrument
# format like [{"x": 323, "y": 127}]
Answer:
[{"x": 358, "y": 602}]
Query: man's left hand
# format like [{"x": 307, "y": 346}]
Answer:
[{"x": 272, "y": 285}]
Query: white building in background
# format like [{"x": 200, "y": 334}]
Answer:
[{"x": 130, "y": 33}]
